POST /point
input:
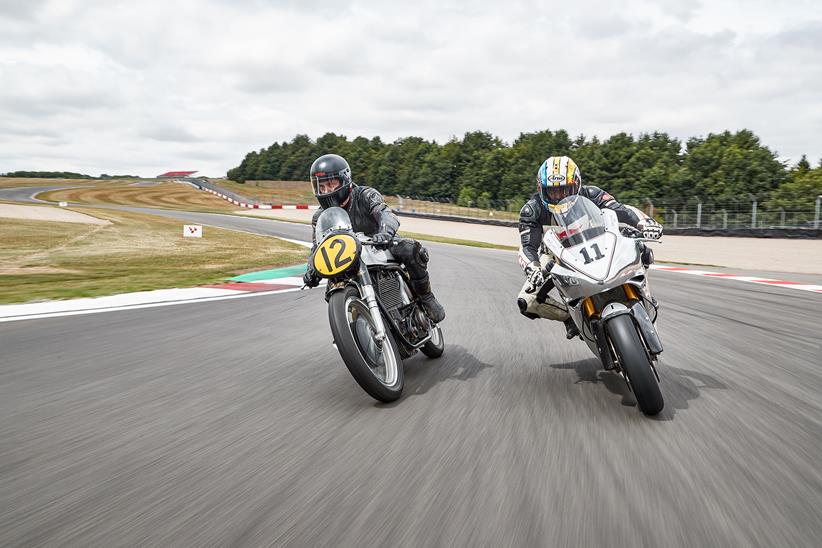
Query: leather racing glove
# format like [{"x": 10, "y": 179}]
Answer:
[
  {"x": 310, "y": 278},
  {"x": 535, "y": 277},
  {"x": 650, "y": 229},
  {"x": 382, "y": 238}
]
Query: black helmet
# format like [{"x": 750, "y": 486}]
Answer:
[{"x": 326, "y": 168}]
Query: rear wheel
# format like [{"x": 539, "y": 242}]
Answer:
[
  {"x": 376, "y": 368},
  {"x": 435, "y": 345},
  {"x": 635, "y": 363}
]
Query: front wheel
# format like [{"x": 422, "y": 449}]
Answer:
[
  {"x": 376, "y": 368},
  {"x": 635, "y": 363},
  {"x": 435, "y": 346}
]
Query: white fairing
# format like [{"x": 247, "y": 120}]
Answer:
[
  {"x": 598, "y": 269},
  {"x": 603, "y": 261},
  {"x": 591, "y": 255}
]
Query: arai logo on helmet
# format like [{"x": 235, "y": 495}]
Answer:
[{"x": 556, "y": 178}]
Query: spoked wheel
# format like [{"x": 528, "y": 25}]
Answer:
[
  {"x": 635, "y": 363},
  {"x": 435, "y": 345},
  {"x": 377, "y": 368}
]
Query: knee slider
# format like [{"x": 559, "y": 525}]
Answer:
[
  {"x": 422, "y": 254},
  {"x": 523, "y": 306}
]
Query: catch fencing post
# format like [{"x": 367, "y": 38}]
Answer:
[
  {"x": 650, "y": 208},
  {"x": 753, "y": 211},
  {"x": 816, "y": 216},
  {"x": 675, "y": 216},
  {"x": 699, "y": 215},
  {"x": 724, "y": 218},
  {"x": 782, "y": 216}
]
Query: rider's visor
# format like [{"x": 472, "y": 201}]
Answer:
[
  {"x": 553, "y": 194},
  {"x": 325, "y": 183}
]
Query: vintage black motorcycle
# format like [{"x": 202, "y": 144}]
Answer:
[{"x": 376, "y": 319}]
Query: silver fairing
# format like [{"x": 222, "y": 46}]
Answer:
[
  {"x": 625, "y": 264},
  {"x": 576, "y": 276},
  {"x": 371, "y": 255}
]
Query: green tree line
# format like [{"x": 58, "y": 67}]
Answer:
[
  {"x": 722, "y": 168},
  {"x": 48, "y": 175}
]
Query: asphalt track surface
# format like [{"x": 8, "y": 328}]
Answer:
[{"x": 235, "y": 423}]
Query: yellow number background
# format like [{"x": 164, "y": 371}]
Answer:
[{"x": 335, "y": 254}]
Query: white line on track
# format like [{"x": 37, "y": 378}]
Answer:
[
  {"x": 735, "y": 277},
  {"x": 116, "y": 308}
]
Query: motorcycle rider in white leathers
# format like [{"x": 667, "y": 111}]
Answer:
[{"x": 559, "y": 177}]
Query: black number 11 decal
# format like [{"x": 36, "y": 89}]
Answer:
[{"x": 597, "y": 254}]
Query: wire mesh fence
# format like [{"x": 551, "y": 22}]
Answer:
[
  {"x": 736, "y": 214},
  {"x": 692, "y": 213},
  {"x": 507, "y": 210}
]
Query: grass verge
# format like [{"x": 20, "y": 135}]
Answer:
[
  {"x": 166, "y": 195},
  {"x": 272, "y": 192},
  {"x": 51, "y": 260}
]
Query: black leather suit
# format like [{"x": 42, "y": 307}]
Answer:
[{"x": 370, "y": 214}]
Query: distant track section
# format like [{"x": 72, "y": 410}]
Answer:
[{"x": 242, "y": 201}]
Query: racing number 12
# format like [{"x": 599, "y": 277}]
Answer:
[
  {"x": 598, "y": 254},
  {"x": 339, "y": 262}
]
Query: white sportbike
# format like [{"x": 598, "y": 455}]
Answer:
[{"x": 598, "y": 271}]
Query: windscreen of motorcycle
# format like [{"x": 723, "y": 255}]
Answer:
[
  {"x": 331, "y": 219},
  {"x": 588, "y": 246}
]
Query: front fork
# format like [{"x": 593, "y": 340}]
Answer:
[{"x": 370, "y": 297}]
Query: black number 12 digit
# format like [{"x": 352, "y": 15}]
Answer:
[
  {"x": 325, "y": 258},
  {"x": 339, "y": 262}
]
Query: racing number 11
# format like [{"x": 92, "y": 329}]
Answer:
[{"x": 598, "y": 254}]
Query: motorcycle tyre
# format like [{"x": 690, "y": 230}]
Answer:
[
  {"x": 634, "y": 362},
  {"x": 350, "y": 352},
  {"x": 433, "y": 350}
]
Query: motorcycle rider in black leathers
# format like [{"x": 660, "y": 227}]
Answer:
[
  {"x": 558, "y": 177},
  {"x": 333, "y": 187}
]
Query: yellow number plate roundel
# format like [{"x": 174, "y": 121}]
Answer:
[{"x": 335, "y": 254}]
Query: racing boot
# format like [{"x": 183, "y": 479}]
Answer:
[
  {"x": 422, "y": 288},
  {"x": 571, "y": 330}
]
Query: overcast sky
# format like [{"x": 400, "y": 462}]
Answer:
[{"x": 144, "y": 87}]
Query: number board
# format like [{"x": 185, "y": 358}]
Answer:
[{"x": 335, "y": 254}]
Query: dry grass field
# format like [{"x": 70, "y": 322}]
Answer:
[
  {"x": 278, "y": 192},
  {"x": 162, "y": 195},
  {"x": 299, "y": 192},
  {"x": 439, "y": 208},
  {"x": 55, "y": 260}
]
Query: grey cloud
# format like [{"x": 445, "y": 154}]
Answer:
[
  {"x": 55, "y": 103},
  {"x": 274, "y": 79},
  {"x": 683, "y": 11},
  {"x": 27, "y": 131},
  {"x": 806, "y": 36},
  {"x": 20, "y": 10},
  {"x": 240, "y": 75},
  {"x": 169, "y": 133}
]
